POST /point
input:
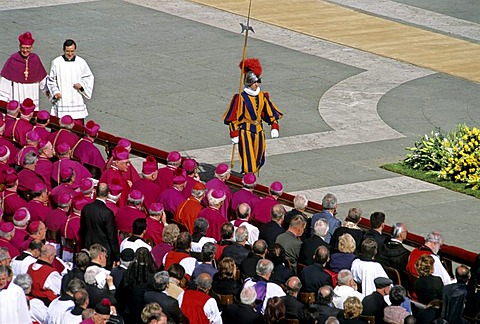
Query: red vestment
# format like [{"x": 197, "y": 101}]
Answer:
[
  {"x": 56, "y": 219},
  {"x": 59, "y": 190},
  {"x": 39, "y": 277},
  {"x": 38, "y": 211},
  {"x": 175, "y": 257},
  {"x": 20, "y": 130},
  {"x": 44, "y": 170},
  {"x": 11, "y": 201},
  {"x": 154, "y": 230},
  {"x": 27, "y": 179},
  {"x": 188, "y": 212},
  {"x": 192, "y": 306},
  {"x": 113, "y": 173},
  {"x": 11, "y": 147},
  {"x": 165, "y": 177},
  {"x": 87, "y": 153},
  {"x": 42, "y": 131},
  {"x": 262, "y": 211},
  {"x": 216, "y": 183},
  {"x": 80, "y": 171},
  {"x": 125, "y": 217},
  {"x": 13, "y": 251},
  {"x": 63, "y": 136},
  {"x": 215, "y": 221},
  {"x": 149, "y": 189},
  {"x": 19, "y": 237},
  {"x": 171, "y": 199}
]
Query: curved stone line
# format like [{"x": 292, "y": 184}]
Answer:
[{"x": 353, "y": 100}]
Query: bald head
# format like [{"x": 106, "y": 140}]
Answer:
[
  {"x": 293, "y": 286},
  {"x": 243, "y": 211},
  {"x": 204, "y": 282},
  {"x": 47, "y": 253},
  {"x": 102, "y": 190},
  {"x": 325, "y": 295},
  {"x": 462, "y": 274},
  {"x": 278, "y": 213}
]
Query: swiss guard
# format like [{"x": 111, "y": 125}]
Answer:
[{"x": 245, "y": 118}]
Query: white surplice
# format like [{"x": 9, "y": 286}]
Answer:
[{"x": 63, "y": 75}]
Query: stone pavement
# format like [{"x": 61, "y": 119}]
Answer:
[{"x": 165, "y": 71}]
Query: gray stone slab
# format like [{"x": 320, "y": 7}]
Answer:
[{"x": 462, "y": 9}]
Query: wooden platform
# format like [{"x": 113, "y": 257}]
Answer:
[{"x": 365, "y": 32}]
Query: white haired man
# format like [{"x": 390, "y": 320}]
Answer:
[
  {"x": 264, "y": 288},
  {"x": 433, "y": 243},
  {"x": 346, "y": 287}
]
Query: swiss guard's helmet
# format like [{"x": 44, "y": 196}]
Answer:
[{"x": 253, "y": 70}]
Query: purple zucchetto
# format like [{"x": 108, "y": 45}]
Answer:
[
  {"x": 38, "y": 187},
  {"x": 249, "y": 179},
  {"x": 222, "y": 169},
  {"x": 276, "y": 186},
  {"x": 7, "y": 227},
  {"x": 43, "y": 115},
  {"x": 155, "y": 208},
  {"x": 174, "y": 156},
  {"x": 33, "y": 136},
  {"x": 62, "y": 148},
  {"x": 135, "y": 195},
  {"x": 20, "y": 214},
  {"x": 189, "y": 165},
  {"x": 66, "y": 173},
  {"x": 64, "y": 199},
  {"x": 13, "y": 105}
]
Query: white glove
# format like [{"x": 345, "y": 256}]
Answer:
[
  {"x": 235, "y": 140},
  {"x": 274, "y": 133}
]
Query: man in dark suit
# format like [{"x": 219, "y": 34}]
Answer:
[
  {"x": 374, "y": 304},
  {"x": 293, "y": 307},
  {"x": 453, "y": 297},
  {"x": 350, "y": 226},
  {"x": 249, "y": 265},
  {"x": 324, "y": 306},
  {"x": 97, "y": 225},
  {"x": 314, "y": 276},
  {"x": 300, "y": 203},
  {"x": 169, "y": 304},
  {"x": 269, "y": 231},
  {"x": 243, "y": 312},
  {"x": 238, "y": 251},
  {"x": 393, "y": 254},
  {"x": 329, "y": 212},
  {"x": 309, "y": 246},
  {"x": 377, "y": 223}
]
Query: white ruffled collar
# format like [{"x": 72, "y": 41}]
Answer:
[{"x": 252, "y": 92}]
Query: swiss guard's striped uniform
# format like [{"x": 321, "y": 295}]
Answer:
[{"x": 245, "y": 121}]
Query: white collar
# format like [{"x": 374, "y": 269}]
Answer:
[{"x": 252, "y": 92}]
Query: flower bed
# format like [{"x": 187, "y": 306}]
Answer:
[{"x": 454, "y": 156}]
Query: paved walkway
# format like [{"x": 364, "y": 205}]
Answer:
[{"x": 165, "y": 71}]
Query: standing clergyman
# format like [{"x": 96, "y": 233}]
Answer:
[
  {"x": 70, "y": 80},
  {"x": 245, "y": 120},
  {"x": 23, "y": 74}
]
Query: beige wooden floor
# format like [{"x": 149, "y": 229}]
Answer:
[{"x": 364, "y": 32}]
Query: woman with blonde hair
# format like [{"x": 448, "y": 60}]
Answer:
[
  {"x": 346, "y": 253},
  {"x": 352, "y": 308}
]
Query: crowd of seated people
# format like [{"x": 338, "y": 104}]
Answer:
[{"x": 89, "y": 242}]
